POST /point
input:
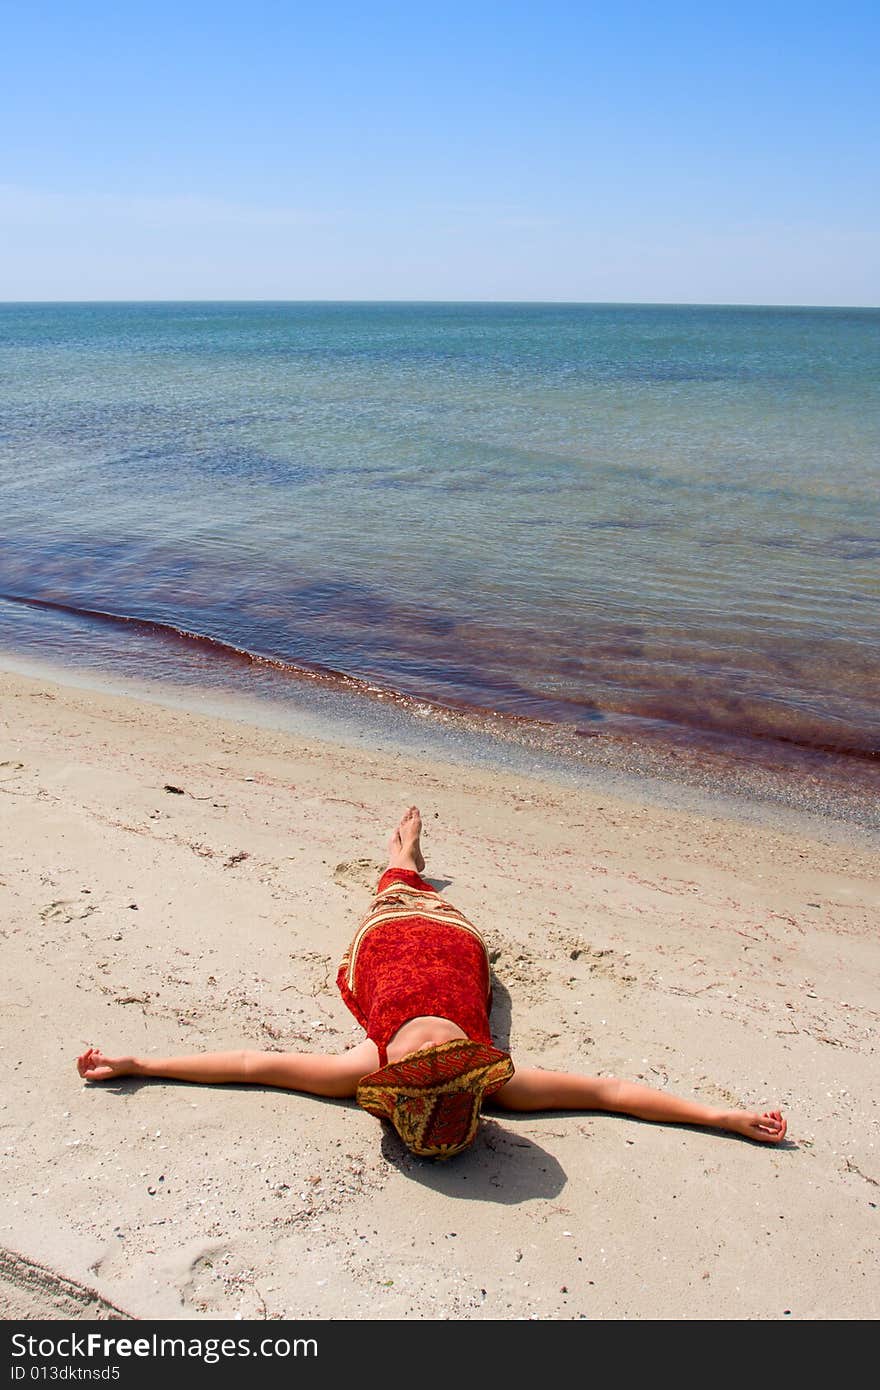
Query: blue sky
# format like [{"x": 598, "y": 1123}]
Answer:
[{"x": 630, "y": 152}]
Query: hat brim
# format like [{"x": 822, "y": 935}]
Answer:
[{"x": 433, "y": 1096}]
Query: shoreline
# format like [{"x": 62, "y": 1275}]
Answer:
[
  {"x": 157, "y": 659},
  {"x": 664, "y": 729},
  {"x": 825, "y": 797},
  {"x": 687, "y": 947}
]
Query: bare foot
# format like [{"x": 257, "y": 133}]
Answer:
[
  {"x": 404, "y": 849},
  {"x": 768, "y": 1128},
  {"x": 94, "y": 1066}
]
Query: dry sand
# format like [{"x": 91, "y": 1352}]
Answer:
[{"x": 733, "y": 962}]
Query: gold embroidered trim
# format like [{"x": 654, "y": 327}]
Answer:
[{"x": 431, "y": 907}]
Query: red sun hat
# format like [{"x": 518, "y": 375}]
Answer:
[{"x": 433, "y": 1097}]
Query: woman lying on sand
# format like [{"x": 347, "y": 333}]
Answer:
[{"x": 416, "y": 977}]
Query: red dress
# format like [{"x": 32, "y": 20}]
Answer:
[{"x": 415, "y": 955}]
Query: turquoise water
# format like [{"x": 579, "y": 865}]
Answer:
[{"x": 613, "y": 518}]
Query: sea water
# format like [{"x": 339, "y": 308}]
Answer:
[{"x": 607, "y": 519}]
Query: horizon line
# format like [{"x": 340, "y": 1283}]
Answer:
[{"x": 538, "y": 303}]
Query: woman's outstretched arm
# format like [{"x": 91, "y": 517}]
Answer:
[
  {"x": 533, "y": 1089},
  {"x": 336, "y": 1075}
]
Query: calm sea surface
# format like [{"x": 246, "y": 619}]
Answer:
[{"x": 609, "y": 518}]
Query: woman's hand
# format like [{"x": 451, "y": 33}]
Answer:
[
  {"x": 94, "y": 1066},
  {"x": 768, "y": 1128}
]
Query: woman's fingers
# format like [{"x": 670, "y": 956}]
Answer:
[
  {"x": 769, "y": 1127},
  {"x": 92, "y": 1065}
]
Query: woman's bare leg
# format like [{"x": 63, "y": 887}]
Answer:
[{"x": 404, "y": 847}]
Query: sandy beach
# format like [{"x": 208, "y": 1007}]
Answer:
[{"x": 173, "y": 882}]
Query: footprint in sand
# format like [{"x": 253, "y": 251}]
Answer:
[
  {"x": 67, "y": 910},
  {"x": 357, "y": 873},
  {"x": 194, "y": 1269},
  {"x": 522, "y": 968},
  {"x": 598, "y": 960}
]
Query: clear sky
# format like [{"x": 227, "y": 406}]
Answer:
[{"x": 679, "y": 152}]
